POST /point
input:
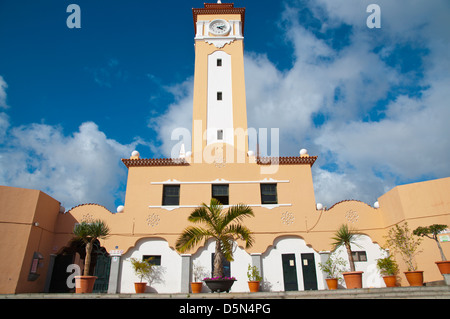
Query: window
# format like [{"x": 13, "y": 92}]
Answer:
[
  {"x": 219, "y": 96},
  {"x": 269, "y": 194},
  {"x": 219, "y": 62},
  {"x": 359, "y": 256},
  {"x": 171, "y": 195},
  {"x": 220, "y": 192},
  {"x": 155, "y": 260},
  {"x": 220, "y": 134}
]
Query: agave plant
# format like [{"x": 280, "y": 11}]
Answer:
[{"x": 223, "y": 226}]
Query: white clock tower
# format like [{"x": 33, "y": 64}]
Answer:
[{"x": 219, "y": 110}]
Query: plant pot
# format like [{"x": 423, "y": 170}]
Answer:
[
  {"x": 390, "y": 281},
  {"x": 140, "y": 287},
  {"x": 84, "y": 284},
  {"x": 196, "y": 287},
  {"x": 220, "y": 285},
  {"x": 353, "y": 279},
  {"x": 253, "y": 286},
  {"x": 332, "y": 283},
  {"x": 444, "y": 266},
  {"x": 415, "y": 278}
]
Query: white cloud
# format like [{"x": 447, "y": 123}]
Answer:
[{"x": 82, "y": 168}]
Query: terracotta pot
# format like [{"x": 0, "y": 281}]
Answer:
[
  {"x": 332, "y": 283},
  {"x": 84, "y": 284},
  {"x": 415, "y": 278},
  {"x": 196, "y": 287},
  {"x": 353, "y": 279},
  {"x": 253, "y": 286},
  {"x": 140, "y": 287},
  {"x": 390, "y": 281},
  {"x": 444, "y": 266}
]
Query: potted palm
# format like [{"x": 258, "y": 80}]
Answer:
[
  {"x": 143, "y": 269},
  {"x": 345, "y": 237},
  {"x": 225, "y": 228},
  {"x": 402, "y": 241},
  {"x": 254, "y": 278},
  {"x": 432, "y": 232},
  {"x": 197, "y": 284},
  {"x": 88, "y": 232},
  {"x": 388, "y": 268},
  {"x": 333, "y": 269}
]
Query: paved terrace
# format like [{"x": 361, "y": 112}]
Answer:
[{"x": 433, "y": 292}]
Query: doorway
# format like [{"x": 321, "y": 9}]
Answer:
[
  {"x": 309, "y": 271},
  {"x": 289, "y": 272}
]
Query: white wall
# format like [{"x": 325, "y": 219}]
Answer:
[
  {"x": 220, "y": 113},
  {"x": 169, "y": 273},
  {"x": 272, "y": 263},
  {"x": 371, "y": 275}
]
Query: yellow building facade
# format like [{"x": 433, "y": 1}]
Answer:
[{"x": 292, "y": 234}]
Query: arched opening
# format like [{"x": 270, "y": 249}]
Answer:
[{"x": 75, "y": 254}]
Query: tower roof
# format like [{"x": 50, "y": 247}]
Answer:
[{"x": 218, "y": 8}]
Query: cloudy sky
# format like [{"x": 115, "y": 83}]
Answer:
[{"x": 372, "y": 103}]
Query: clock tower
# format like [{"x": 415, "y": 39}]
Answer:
[{"x": 219, "y": 105}]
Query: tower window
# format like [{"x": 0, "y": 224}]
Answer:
[
  {"x": 219, "y": 62},
  {"x": 219, "y": 96},
  {"x": 220, "y": 192},
  {"x": 220, "y": 134},
  {"x": 171, "y": 195},
  {"x": 269, "y": 194}
]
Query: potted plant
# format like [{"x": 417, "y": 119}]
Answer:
[
  {"x": 254, "y": 278},
  {"x": 345, "y": 237},
  {"x": 88, "y": 232},
  {"x": 197, "y": 284},
  {"x": 431, "y": 232},
  {"x": 388, "y": 268},
  {"x": 333, "y": 269},
  {"x": 224, "y": 227},
  {"x": 143, "y": 269},
  {"x": 402, "y": 241}
]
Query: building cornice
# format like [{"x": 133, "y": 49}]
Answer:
[
  {"x": 131, "y": 162},
  {"x": 288, "y": 160}
]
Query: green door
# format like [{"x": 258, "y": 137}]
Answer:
[
  {"x": 102, "y": 267},
  {"x": 289, "y": 272},
  {"x": 309, "y": 272}
]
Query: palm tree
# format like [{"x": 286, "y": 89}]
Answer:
[
  {"x": 344, "y": 237},
  {"x": 88, "y": 232},
  {"x": 221, "y": 225}
]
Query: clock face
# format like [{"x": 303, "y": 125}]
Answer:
[{"x": 219, "y": 27}]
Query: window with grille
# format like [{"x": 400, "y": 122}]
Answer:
[
  {"x": 171, "y": 195},
  {"x": 220, "y": 192},
  {"x": 269, "y": 194}
]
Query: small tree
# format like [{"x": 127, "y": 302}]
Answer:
[
  {"x": 199, "y": 272},
  {"x": 431, "y": 232},
  {"x": 402, "y": 241},
  {"x": 387, "y": 266},
  {"x": 142, "y": 268},
  {"x": 333, "y": 267},
  {"x": 345, "y": 237},
  {"x": 88, "y": 232},
  {"x": 253, "y": 273}
]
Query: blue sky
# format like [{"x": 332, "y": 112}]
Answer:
[{"x": 373, "y": 104}]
